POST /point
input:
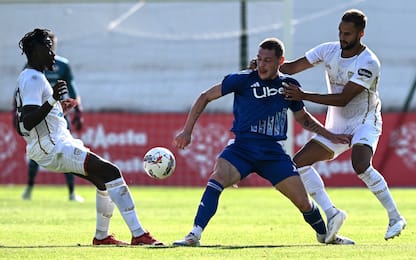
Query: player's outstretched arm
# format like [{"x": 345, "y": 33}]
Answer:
[
  {"x": 293, "y": 67},
  {"x": 293, "y": 92},
  {"x": 310, "y": 123},
  {"x": 184, "y": 138}
]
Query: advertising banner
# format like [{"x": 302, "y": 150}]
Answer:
[{"x": 124, "y": 138}]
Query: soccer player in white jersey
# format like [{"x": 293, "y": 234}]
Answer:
[
  {"x": 41, "y": 122},
  {"x": 352, "y": 71}
]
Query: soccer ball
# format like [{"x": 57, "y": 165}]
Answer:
[{"x": 159, "y": 163}]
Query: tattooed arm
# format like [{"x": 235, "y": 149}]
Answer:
[{"x": 310, "y": 123}]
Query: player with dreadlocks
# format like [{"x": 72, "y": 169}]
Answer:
[{"x": 40, "y": 120}]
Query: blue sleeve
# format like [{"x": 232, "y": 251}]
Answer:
[
  {"x": 232, "y": 82},
  {"x": 228, "y": 84},
  {"x": 294, "y": 105}
]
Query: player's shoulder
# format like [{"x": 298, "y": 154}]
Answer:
[
  {"x": 246, "y": 72},
  {"x": 329, "y": 46},
  {"x": 32, "y": 74},
  {"x": 61, "y": 59},
  {"x": 368, "y": 61},
  {"x": 291, "y": 80},
  {"x": 242, "y": 74},
  {"x": 31, "y": 79},
  {"x": 369, "y": 56},
  {"x": 322, "y": 52}
]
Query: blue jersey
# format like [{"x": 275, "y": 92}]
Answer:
[{"x": 260, "y": 109}]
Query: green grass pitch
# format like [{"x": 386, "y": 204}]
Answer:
[{"x": 251, "y": 223}]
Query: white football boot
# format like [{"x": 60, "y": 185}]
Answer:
[
  {"x": 334, "y": 224},
  {"x": 395, "y": 228},
  {"x": 189, "y": 240},
  {"x": 339, "y": 240}
]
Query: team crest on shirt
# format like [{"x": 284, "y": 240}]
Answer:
[
  {"x": 77, "y": 151},
  {"x": 365, "y": 73}
]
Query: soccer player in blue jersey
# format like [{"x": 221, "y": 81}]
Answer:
[
  {"x": 260, "y": 124},
  {"x": 61, "y": 71}
]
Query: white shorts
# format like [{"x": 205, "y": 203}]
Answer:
[
  {"x": 364, "y": 134},
  {"x": 67, "y": 156}
]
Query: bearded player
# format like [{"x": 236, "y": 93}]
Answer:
[{"x": 354, "y": 108}]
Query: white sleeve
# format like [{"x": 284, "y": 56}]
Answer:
[
  {"x": 316, "y": 54},
  {"x": 366, "y": 71},
  {"x": 32, "y": 91},
  {"x": 322, "y": 52}
]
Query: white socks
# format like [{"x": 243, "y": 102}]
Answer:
[
  {"x": 104, "y": 207},
  {"x": 120, "y": 195},
  {"x": 371, "y": 177},
  {"x": 378, "y": 186},
  {"x": 315, "y": 187},
  {"x": 197, "y": 231}
]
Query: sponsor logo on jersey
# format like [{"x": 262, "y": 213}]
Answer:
[
  {"x": 265, "y": 91},
  {"x": 255, "y": 85},
  {"x": 365, "y": 73}
]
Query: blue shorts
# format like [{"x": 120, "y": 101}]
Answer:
[{"x": 267, "y": 159}]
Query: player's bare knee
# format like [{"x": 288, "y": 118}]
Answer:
[
  {"x": 108, "y": 172},
  {"x": 222, "y": 178},
  {"x": 298, "y": 163},
  {"x": 225, "y": 173},
  {"x": 360, "y": 166}
]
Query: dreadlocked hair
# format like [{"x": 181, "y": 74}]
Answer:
[{"x": 33, "y": 38}]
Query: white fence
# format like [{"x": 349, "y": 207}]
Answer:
[{"x": 159, "y": 56}]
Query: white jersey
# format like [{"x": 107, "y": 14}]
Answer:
[
  {"x": 34, "y": 89},
  {"x": 362, "y": 69}
]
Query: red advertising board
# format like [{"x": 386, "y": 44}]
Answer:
[{"x": 124, "y": 138}]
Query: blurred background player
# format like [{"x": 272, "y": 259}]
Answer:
[
  {"x": 61, "y": 71},
  {"x": 354, "y": 108}
]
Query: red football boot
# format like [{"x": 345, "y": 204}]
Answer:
[
  {"x": 110, "y": 240},
  {"x": 145, "y": 239}
]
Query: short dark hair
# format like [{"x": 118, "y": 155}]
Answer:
[
  {"x": 273, "y": 44},
  {"x": 355, "y": 16},
  {"x": 31, "y": 39}
]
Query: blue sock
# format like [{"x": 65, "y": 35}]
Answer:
[
  {"x": 314, "y": 219},
  {"x": 209, "y": 203}
]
